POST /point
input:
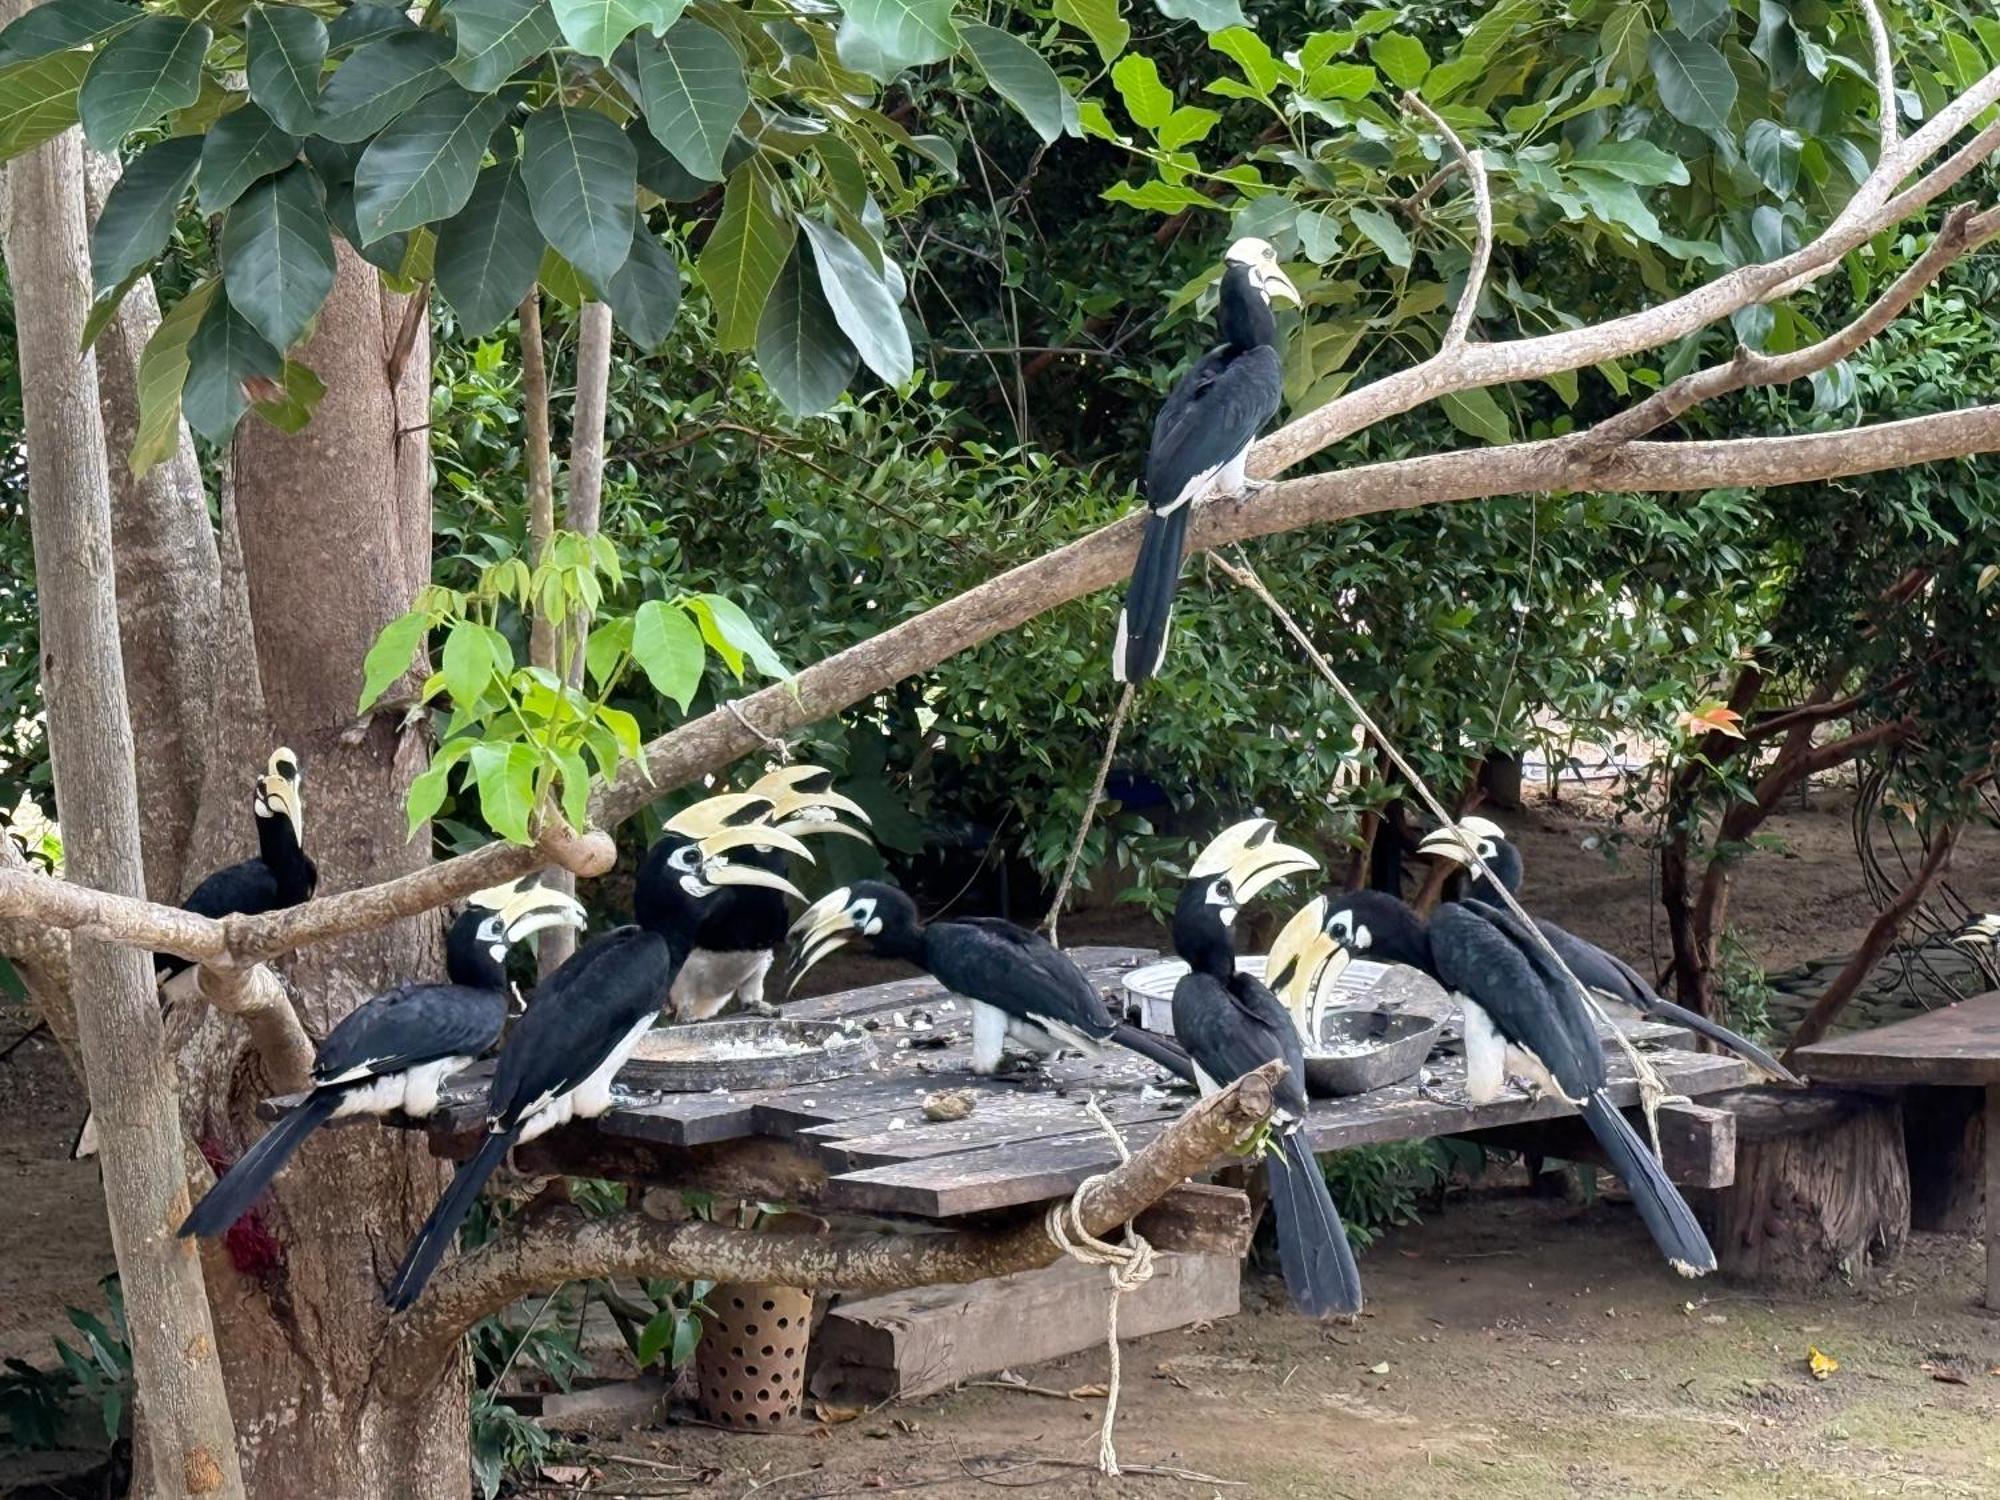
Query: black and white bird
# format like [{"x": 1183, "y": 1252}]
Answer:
[
  {"x": 1023, "y": 989},
  {"x": 1231, "y": 1025},
  {"x": 397, "y": 1051},
  {"x": 280, "y": 875},
  {"x": 1521, "y": 1016},
  {"x": 559, "y": 1061},
  {"x": 1616, "y": 984},
  {"x": 1201, "y": 439},
  {"x": 1982, "y": 931},
  {"x": 741, "y": 935}
]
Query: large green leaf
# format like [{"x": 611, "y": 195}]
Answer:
[
  {"x": 381, "y": 80},
  {"x": 597, "y": 27},
  {"x": 1695, "y": 81},
  {"x": 1100, "y": 21},
  {"x": 1401, "y": 59},
  {"x": 1385, "y": 232},
  {"x": 60, "y": 25},
  {"x": 1209, "y": 15},
  {"x": 277, "y": 257},
  {"x": 667, "y": 646},
  {"x": 646, "y": 293},
  {"x": 146, "y": 71},
  {"x": 1019, "y": 76},
  {"x": 38, "y": 100},
  {"x": 883, "y": 37},
  {"x": 139, "y": 212},
  {"x": 163, "y": 371},
  {"x": 1476, "y": 413},
  {"x": 1148, "y": 101},
  {"x": 363, "y": 23},
  {"x": 583, "y": 184},
  {"x": 692, "y": 91},
  {"x": 801, "y": 352},
  {"x": 422, "y": 166},
  {"x": 389, "y": 658},
  {"x": 660, "y": 172},
  {"x": 861, "y": 302},
  {"x": 744, "y": 254},
  {"x": 241, "y": 147},
  {"x": 224, "y": 353},
  {"x": 488, "y": 253},
  {"x": 496, "y": 36},
  {"x": 505, "y": 775},
  {"x": 286, "y": 51},
  {"x": 1639, "y": 162}
]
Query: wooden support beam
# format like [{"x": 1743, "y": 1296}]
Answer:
[
  {"x": 1993, "y": 1196},
  {"x": 1198, "y": 1218},
  {"x": 1697, "y": 1143}
]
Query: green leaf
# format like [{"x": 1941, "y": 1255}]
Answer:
[
  {"x": 861, "y": 303},
  {"x": 1773, "y": 153},
  {"x": 467, "y": 664},
  {"x": 363, "y": 23},
  {"x": 1694, "y": 80},
  {"x": 575, "y": 787},
  {"x": 1346, "y": 81},
  {"x": 657, "y": 1335},
  {"x": 606, "y": 647},
  {"x": 379, "y": 81},
  {"x": 646, "y": 293},
  {"x": 1098, "y": 20},
  {"x": 1698, "y": 18},
  {"x": 1209, "y": 15},
  {"x": 1640, "y": 162},
  {"x": 1019, "y": 76},
  {"x": 727, "y": 628},
  {"x": 1401, "y": 59},
  {"x": 163, "y": 371},
  {"x": 597, "y": 27},
  {"x": 427, "y": 792},
  {"x": 299, "y": 398},
  {"x": 1187, "y": 125},
  {"x": 241, "y": 147},
  {"x": 1319, "y": 234},
  {"x": 496, "y": 36},
  {"x": 1383, "y": 232},
  {"x": 139, "y": 212},
  {"x": 505, "y": 776},
  {"x": 422, "y": 166},
  {"x": 582, "y": 179},
  {"x": 146, "y": 71},
  {"x": 667, "y": 647},
  {"x": 801, "y": 352},
  {"x": 488, "y": 253},
  {"x": 225, "y": 352},
  {"x": 1148, "y": 101},
  {"x": 1477, "y": 414},
  {"x": 686, "y": 1336},
  {"x": 692, "y": 91},
  {"x": 389, "y": 658},
  {"x": 1158, "y": 196},
  {"x": 277, "y": 257},
  {"x": 624, "y": 728},
  {"x": 104, "y": 309},
  {"x": 895, "y": 34},
  {"x": 742, "y": 259},
  {"x": 660, "y": 173},
  {"x": 287, "y": 52},
  {"x": 60, "y": 25},
  {"x": 38, "y": 100},
  {"x": 1622, "y": 42},
  {"x": 1247, "y": 50}
]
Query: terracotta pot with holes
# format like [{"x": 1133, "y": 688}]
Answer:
[{"x": 751, "y": 1362}]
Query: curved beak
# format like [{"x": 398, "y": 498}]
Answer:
[
  {"x": 814, "y": 821},
  {"x": 824, "y": 927},
  {"x": 1265, "y": 864},
  {"x": 1980, "y": 932},
  {"x": 755, "y": 836},
  {"x": 793, "y": 789},
  {"x": 1221, "y": 851},
  {"x": 1484, "y": 828},
  {"x": 1304, "y": 964},
  {"x": 716, "y": 869},
  {"x": 527, "y": 907},
  {"x": 1455, "y": 844},
  {"x": 714, "y": 814},
  {"x": 281, "y": 793},
  {"x": 1277, "y": 284}
]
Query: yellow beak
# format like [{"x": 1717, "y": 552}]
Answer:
[
  {"x": 1277, "y": 284},
  {"x": 791, "y": 789},
  {"x": 755, "y": 836},
  {"x": 1456, "y": 844},
  {"x": 1303, "y": 966},
  {"x": 824, "y": 927},
  {"x": 527, "y": 907},
  {"x": 718, "y": 870},
  {"x": 713, "y": 814}
]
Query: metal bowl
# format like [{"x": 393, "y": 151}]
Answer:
[
  {"x": 1362, "y": 1048},
  {"x": 1150, "y": 990},
  {"x": 747, "y": 1052}
]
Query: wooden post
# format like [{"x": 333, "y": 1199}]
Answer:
[{"x": 1993, "y": 1196}]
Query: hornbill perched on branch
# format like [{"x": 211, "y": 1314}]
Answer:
[
  {"x": 1520, "y": 1013},
  {"x": 281, "y": 875},
  {"x": 396, "y": 1051},
  {"x": 560, "y": 1059},
  {"x": 1231, "y": 1024},
  {"x": 1023, "y": 989},
  {"x": 1616, "y": 984},
  {"x": 740, "y": 936},
  {"x": 1200, "y": 441}
]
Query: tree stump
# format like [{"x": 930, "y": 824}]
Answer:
[
  {"x": 1945, "y": 1132},
  {"x": 1822, "y": 1186}
]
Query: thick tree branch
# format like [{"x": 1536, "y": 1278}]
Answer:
[
  {"x": 256, "y": 998},
  {"x": 565, "y": 1245}
]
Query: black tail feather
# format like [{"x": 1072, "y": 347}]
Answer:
[
  {"x": 1313, "y": 1251},
  {"x": 1151, "y": 1045},
  {"x": 1149, "y": 602},
  {"x": 1722, "y": 1036},
  {"x": 428, "y": 1248},
  {"x": 240, "y": 1186},
  {"x": 1659, "y": 1202}
]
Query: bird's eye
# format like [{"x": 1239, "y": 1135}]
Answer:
[
  {"x": 1488, "y": 849},
  {"x": 1341, "y": 925},
  {"x": 1223, "y": 890}
]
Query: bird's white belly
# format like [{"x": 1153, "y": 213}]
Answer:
[
  {"x": 414, "y": 1091},
  {"x": 1485, "y": 1053},
  {"x": 709, "y": 980}
]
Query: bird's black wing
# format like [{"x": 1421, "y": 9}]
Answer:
[
  {"x": 1231, "y": 1029},
  {"x": 1597, "y": 969},
  {"x": 1014, "y": 970},
  {"x": 1493, "y": 963},
  {"x": 247, "y": 889},
  {"x": 1215, "y": 412},
  {"x": 411, "y": 1024},
  {"x": 580, "y": 1013}
]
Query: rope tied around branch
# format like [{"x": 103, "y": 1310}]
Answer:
[
  {"x": 777, "y": 747},
  {"x": 1130, "y": 1265}
]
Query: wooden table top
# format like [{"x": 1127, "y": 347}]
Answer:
[{"x": 1958, "y": 1044}]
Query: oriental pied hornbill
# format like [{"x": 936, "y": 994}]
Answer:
[
  {"x": 1231, "y": 1024},
  {"x": 396, "y": 1051},
  {"x": 1023, "y": 989},
  {"x": 739, "y": 937},
  {"x": 559, "y": 1061},
  {"x": 1520, "y": 1013},
  {"x": 281, "y": 875},
  {"x": 1614, "y": 982},
  {"x": 1200, "y": 440}
]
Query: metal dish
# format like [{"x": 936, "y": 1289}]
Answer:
[
  {"x": 1150, "y": 990},
  {"x": 749, "y": 1052},
  {"x": 1363, "y": 1048}
]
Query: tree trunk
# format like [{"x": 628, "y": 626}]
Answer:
[
  {"x": 334, "y": 528},
  {"x": 190, "y": 1447}
]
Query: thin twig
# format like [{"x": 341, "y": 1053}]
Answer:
[
  {"x": 1482, "y": 213},
  {"x": 1885, "y": 77},
  {"x": 1089, "y": 809}
]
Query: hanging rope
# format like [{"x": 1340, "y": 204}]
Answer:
[
  {"x": 772, "y": 743},
  {"x": 1130, "y": 1263},
  {"x": 1652, "y": 1092},
  {"x": 1089, "y": 810}
]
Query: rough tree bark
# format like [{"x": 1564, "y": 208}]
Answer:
[{"x": 190, "y": 1440}]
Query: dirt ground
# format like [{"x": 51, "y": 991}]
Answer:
[{"x": 1551, "y": 1358}]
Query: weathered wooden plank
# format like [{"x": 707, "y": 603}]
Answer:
[
  {"x": 1102, "y": 965},
  {"x": 1200, "y": 1218},
  {"x": 996, "y": 1120},
  {"x": 1697, "y": 1143},
  {"x": 1959, "y": 1044},
  {"x": 1993, "y": 1196}
]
